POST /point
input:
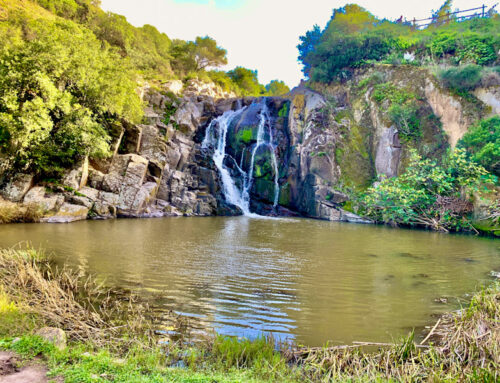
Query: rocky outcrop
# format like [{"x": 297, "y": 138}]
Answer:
[
  {"x": 450, "y": 112},
  {"x": 17, "y": 187},
  {"x": 490, "y": 97},
  {"x": 323, "y": 142}
]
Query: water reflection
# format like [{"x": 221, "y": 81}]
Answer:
[{"x": 309, "y": 280}]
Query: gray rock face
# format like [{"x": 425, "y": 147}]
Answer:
[
  {"x": 68, "y": 213},
  {"x": 17, "y": 187},
  {"x": 38, "y": 196},
  {"x": 159, "y": 170},
  {"x": 188, "y": 117},
  {"x": 388, "y": 153}
]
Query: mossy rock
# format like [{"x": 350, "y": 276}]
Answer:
[
  {"x": 263, "y": 189},
  {"x": 487, "y": 227},
  {"x": 285, "y": 195}
]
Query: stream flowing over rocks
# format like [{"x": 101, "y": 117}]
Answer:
[{"x": 209, "y": 153}]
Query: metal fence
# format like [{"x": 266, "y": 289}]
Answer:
[{"x": 473, "y": 13}]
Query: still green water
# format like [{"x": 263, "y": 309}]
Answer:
[{"x": 310, "y": 281}]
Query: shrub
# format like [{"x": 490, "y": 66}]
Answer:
[
  {"x": 402, "y": 111},
  {"x": 482, "y": 141},
  {"x": 462, "y": 78},
  {"x": 427, "y": 194},
  {"x": 476, "y": 49}
]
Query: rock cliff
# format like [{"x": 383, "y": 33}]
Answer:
[{"x": 325, "y": 141}]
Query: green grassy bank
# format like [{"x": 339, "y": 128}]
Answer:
[{"x": 109, "y": 339}]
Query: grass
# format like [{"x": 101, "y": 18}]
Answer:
[
  {"x": 11, "y": 212},
  {"x": 463, "y": 346}
]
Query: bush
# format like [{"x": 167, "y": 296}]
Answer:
[
  {"x": 427, "y": 194},
  {"x": 461, "y": 79},
  {"x": 402, "y": 110},
  {"x": 482, "y": 141},
  {"x": 354, "y": 37}
]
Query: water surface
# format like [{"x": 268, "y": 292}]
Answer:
[{"x": 311, "y": 281}]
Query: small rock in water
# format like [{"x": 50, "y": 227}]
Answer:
[
  {"x": 495, "y": 274},
  {"x": 441, "y": 300},
  {"x": 421, "y": 275},
  {"x": 53, "y": 335},
  {"x": 469, "y": 260},
  {"x": 409, "y": 255},
  {"x": 372, "y": 255}
]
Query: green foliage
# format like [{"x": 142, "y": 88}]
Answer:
[
  {"x": 482, "y": 141},
  {"x": 283, "y": 112},
  {"x": 59, "y": 91},
  {"x": 245, "y": 135},
  {"x": 277, "y": 88},
  {"x": 247, "y": 81},
  {"x": 427, "y": 194},
  {"x": 405, "y": 117},
  {"x": 402, "y": 111},
  {"x": 354, "y": 37},
  {"x": 208, "y": 54},
  {"x": 462, "y": 78}
]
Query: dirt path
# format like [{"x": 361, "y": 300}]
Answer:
[{"x": 10, "y": 373}]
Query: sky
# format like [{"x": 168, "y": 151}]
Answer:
[{"x": 261, "y": 34}]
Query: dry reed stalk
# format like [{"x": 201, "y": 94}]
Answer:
[{"x": 62, "y": 298}]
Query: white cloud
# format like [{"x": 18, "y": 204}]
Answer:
[{"x": 259, "y": 34}]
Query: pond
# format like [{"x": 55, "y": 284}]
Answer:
[{"x": 305, "y": 280}]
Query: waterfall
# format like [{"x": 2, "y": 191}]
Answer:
[{"x": 216, "y": 135}]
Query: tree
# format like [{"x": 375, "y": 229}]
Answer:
[
  {"x": 441, "y": 16},
  {"x": 307, "y": 45},
  {"x": 247, "y": 80},
  {"x": 277, "y": 88},
  {"x": 208, "y": 54},
  {"x": 60, "y": 91}
]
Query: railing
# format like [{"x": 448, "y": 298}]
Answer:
[{"x": 473, "y": 13}]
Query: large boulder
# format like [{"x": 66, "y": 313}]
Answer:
[
  {"x": 131, "y": 185},
  {"x": 17, "y": 187},
  {"x": 38, "y": 196},
  {"x": 53, "y": 335},
  {"x": 188, "y": 117},
  {"x": 68, "y": 213}
]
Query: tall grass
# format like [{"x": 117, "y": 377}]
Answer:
[
  {"x": 16, "y": 213},
  {"x": 63, "y": 298}
]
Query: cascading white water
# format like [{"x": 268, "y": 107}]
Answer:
[
  {"x": 217, "y": 139},
  {"x": 261, "y": 141}
]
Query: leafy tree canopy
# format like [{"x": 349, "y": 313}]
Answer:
[
  {"x": 277, "y": 88},
  {"x": 354, "y": 38},
  {"x": 246, "y": 79}
]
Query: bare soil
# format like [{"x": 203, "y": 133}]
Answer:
[{"x": 10, "y": 372}]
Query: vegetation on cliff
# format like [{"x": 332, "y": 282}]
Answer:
[
  {"x": 354, "y": 38},
  {"x": 69, "y": 74},
  {"x": 390, "y": 69},
  {"x": 104, "y": 346},
  {"x": 430, "y": 195}
]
